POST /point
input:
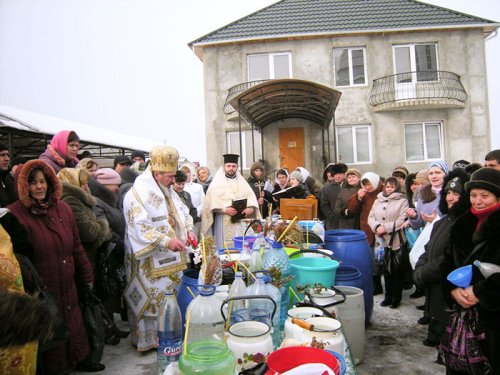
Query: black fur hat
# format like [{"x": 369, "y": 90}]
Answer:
[{"x": 455, "y": 181}]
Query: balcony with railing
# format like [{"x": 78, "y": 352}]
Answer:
[
  {"x": 414, "y": 90},
  {"x": 234, "y": 91}
]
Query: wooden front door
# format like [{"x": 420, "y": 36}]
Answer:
[{"x": 291, "y": 148}]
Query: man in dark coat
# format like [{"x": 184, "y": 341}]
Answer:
[
  {"x": 7, "y": 189},
  {"x": 334, "y": 174},
  {"x": 427, "y": 276}
]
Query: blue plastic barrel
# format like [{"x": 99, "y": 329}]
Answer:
[
  {"x": 349, "y": 276},
  {"x": 351, "y": 248},
  {"x": 184, "y": 298}
]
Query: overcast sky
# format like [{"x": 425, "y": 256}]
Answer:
[{"x": 125, "y": 64}]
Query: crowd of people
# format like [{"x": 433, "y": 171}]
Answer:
[{"x": 82, "y": 244}]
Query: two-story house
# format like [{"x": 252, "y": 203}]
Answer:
[{"x": 370, "y": 83}]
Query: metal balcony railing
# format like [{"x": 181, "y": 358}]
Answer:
[
  {"x": 417, "y": 85},
  {"x": 235, "y": 91}
]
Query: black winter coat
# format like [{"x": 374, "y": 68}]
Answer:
[
  {"x": 427, "y": 274},
  {"x": 463, "y": 239}
]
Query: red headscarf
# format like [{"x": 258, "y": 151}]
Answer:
[{"x": 60, "y": 142}]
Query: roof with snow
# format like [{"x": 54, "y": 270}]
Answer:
[{"x": 40, "y": 127}]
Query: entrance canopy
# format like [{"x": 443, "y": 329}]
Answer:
[{"x": 280, "y": 99}]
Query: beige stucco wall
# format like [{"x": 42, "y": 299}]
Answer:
[{"x": 465, "y": 130}]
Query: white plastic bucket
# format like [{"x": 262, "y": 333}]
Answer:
[{"x": 352, "y": 315}]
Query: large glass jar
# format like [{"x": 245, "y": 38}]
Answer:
[{"x": 208, "y": 357}]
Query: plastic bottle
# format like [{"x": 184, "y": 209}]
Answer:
[
  {"x": 319, "y": 229},
  {"x": 487, "y": 269},
  {"x": 277, "y": 257},
  {"x": 260, "y": 309},
  {"x": 245, "y": 254},
  {"x": 239, "y": 309},
  {"x": 275, "y": 294},
  {"x": 256, "y": 261},
  {"x": 205, "y": 318},
  {"x": 169, "y": 332}
]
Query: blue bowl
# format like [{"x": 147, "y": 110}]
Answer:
[{"x": 461, "y": 277}]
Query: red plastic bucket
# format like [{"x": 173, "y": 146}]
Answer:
[{"x": 286, "y": 359}]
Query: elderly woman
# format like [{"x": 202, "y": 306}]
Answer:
[
  {"x": 204, "y": 177},
  {"x": 475, "y": 236},
  {"x": 89, "y": 165},
  {"x": 62, "y": 150},
  {"x": 75, "y": 192},
  {"x": 59, "y": 258}
]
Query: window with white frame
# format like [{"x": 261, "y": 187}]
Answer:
[
  {"x": 349, "y": 66},
  {"x": 233, "y": 146},
  {"x": 354, "y": 144},
  {"x": 418, "y": 58},
  {"x": 269, "y": 66},
  {"x": 423, "y": 141}
]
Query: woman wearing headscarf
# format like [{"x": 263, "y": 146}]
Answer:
[
  {"x": 312, "y": 185},
  {"x": 282, "y": 181},
  {"x": 62, "y": 150},
  {"x": 427, "y": 203},
  {"x": 453, "y": 203},
  {"x": 475, "y": 236},
  {"x": 75, "y": 192},
  {"x": 59, "y": 258},
  {"x": 361, "y": 204},
  {"x": 89, "y": 165}
]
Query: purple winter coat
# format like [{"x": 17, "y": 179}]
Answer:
[{"x": 59, "y": 258}]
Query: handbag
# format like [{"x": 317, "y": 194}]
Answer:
[
  {"x": 393, "y": 257},
  {"x": 110, "y": 275},
  {"x": 461, "y": 348},
  {"x": 94, "y": 324},
  {"x": 60, "y": 333}
]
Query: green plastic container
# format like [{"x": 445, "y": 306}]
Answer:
[
  {"x": 208, "y": 357},
  {"x": 313, "y": 270}
]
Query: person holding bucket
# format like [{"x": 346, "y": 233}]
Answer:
[{"x": 386, "y": 220}]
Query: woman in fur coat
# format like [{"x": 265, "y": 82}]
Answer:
[
  {"x": 58, "y": 256},
  {"x": 75, "y": 192},
  {"x": 475, "y": 236}
]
